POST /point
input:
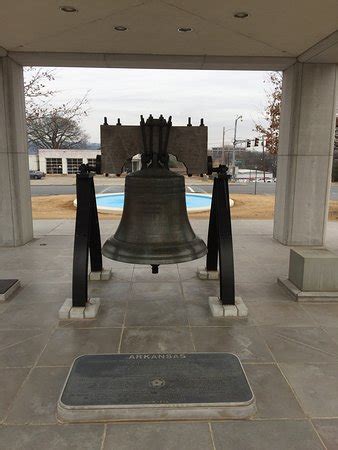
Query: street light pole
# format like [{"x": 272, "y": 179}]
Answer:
[
  {"x": 263, "y": 158},
  {"x": 256, "y": 180},
  {"x": 234, "y": 147},
  {"x": 223, "y": 152},
  {"x": 223, "y": 147}
]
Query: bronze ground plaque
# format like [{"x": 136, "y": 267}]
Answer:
[
  {"x": 5, "y": 285},
  {"x": 156, "y": 386},
  {"x": 7, "y": 288}
]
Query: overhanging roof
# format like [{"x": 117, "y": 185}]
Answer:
[{"x": 273, "y": 36}]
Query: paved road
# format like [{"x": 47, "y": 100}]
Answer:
[
  {"x": 240, "y": 188},
  {"x": 64, "y": 190}
]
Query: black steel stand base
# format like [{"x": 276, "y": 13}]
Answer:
[
  {"x": 87, "y": 237},
  {"x": 220, "y": 258},
  {"x": 130, "y": 387}
]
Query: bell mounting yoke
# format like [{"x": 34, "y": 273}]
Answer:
[
  {"x": 155, "y": 131},
  {"x": 120, "y": 143}
]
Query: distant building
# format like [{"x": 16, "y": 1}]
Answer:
[
  {"x": 250, "y": 175},
  {"x": 220, "y": 155},
  {"x": 61, "y": 161}
]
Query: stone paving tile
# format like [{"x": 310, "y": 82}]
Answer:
[
  {"x": 167, "y": 272},
  {"x": 21, "y": 348},
  {"x": 52, "y": 242},
  {"x": 247, "y": 274},
  {"x": 262, "y": 293},
  {"x": 33, "y": 316},
  {"x": 265, "y": 435},
  {"x": 37, "y": 399},
  {"x": 328, "y": 431},
  {"x": 41, "y": 292},
  {"x": 111, "y": 314},
  {"x": 300, "y": 344},
  {"x": 120, "y": 273},
  {"x": 3, "y": 306},
  {"x": 51, "y": 437},
  {"x": 157, "y": 340},
  {"x": 168, "y": 291},
  {"x": 40, "y": 260},
  {"x": 259, "y": 227},
  {"x": 199, "y": 314},
  {"x": 48, "y": 276},
  {"x": 201, "y": 289},
  {"x": 186, "y": 273},
  {"x": 245, "y": 342},
  {"x": 274, "y": 397},
  {"x": 24, "y": 276},
  {"x": 155, "y": 436},
  {"x": 66, "y": 344},
  {"x": 332, "y": 332},
  {"x": 11, "y": 380},
  {"x": 160, "y": 302},
  {"x": 287, "y": 315},
  {"x": 325, "y": 314},
  {"x": 156, "y": 311},
  {"x": 110, "y": 291},
  {"x": 42, "y": 227},
  {"x": 65, "y": 228},
  {"x": 316, "y": 387}
]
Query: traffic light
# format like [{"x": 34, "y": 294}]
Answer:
[
  {"x": 248, "y": 143},
  {"x": 256, "y": 142}
]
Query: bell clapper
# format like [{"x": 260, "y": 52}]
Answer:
[{"x": 154, "y": 268}]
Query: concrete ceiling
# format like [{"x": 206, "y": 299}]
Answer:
[{"x": 283, "y": 29}]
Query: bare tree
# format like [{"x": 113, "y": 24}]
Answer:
[
  {"x": 59, "y": 127},
  {"x": 49, "y": 126},
  {"x": 272, "y": 113}
]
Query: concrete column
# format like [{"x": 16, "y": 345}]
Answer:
[
  {"x": 16, "y": 226},
  {"x": 305, "y": 153}
]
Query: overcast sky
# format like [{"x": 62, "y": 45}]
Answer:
[{"x": 217, "y": 96}]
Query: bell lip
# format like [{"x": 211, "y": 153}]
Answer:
[{"x": 157, "y": 260}]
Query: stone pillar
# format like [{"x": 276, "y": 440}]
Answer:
[
  {"x": 305, "y": 153},
  {"x": 16, "y": 226}
]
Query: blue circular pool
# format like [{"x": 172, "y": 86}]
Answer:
[{"x": 107, "y": 203}]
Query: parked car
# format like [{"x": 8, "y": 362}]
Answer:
[{"x": 36, "y": 174}]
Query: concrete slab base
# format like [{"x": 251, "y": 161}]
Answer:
[
  {"x": 132, "y": 387},
  {"x": 217, "y": 309},
  {"x": 204, "y": 274},
  {"x": 305, "y": 296},
  {"x": 104, "y": 275},
  {"x": 68, "y": 312},
  {"x": 7, "y": 288}
]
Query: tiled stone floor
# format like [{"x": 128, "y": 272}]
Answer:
[{"x": 289, "y": 350}]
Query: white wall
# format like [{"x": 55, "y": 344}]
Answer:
[
  {"x": 64, "y": 154},
  {"x": 33, "y": 162}
]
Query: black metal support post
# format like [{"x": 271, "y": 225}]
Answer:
[
  {"x": 87, "y": 236},
  {"x": 220, "y": 237}
]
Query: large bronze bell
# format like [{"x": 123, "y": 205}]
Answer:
[{"x": 154, "y": 227}]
